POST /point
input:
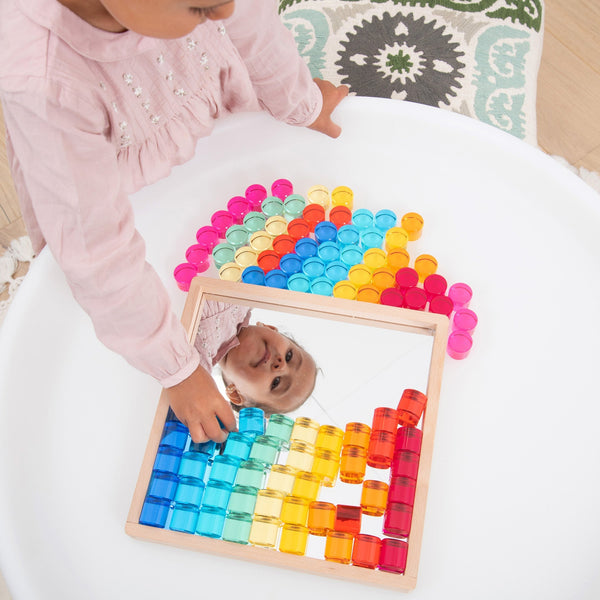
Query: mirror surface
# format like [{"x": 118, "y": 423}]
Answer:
[{"x": 359, "y": 367}]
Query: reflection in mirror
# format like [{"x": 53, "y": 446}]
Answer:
[
  {"x": 366, "y": 356},
  {"x": 358, "y": 367}
]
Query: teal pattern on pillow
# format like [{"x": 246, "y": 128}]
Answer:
[
  {"x": 311, "y": 31},
  {"x": 476, "y": 57},
  {"x": 500, "y": 78}
]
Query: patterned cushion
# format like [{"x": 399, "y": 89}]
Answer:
[{"x": 476, "y": 57}]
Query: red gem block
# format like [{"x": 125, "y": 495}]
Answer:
[{"x": 348, "y": 518}]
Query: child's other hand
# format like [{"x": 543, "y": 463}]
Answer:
[
  {"x": 197, "y": 403},
  {"x": 332, "y": 96}
]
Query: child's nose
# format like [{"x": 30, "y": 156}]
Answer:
[{"x": 277, "y": 363}]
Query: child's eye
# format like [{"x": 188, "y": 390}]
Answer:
[
  {"x": 275, "y": 382},
  {"x": 202, "y": 12},
  {"x": 289, "y": 355}
]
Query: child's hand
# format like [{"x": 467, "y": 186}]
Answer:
[
  {"x": 332, "y": 96},
  {"x": 197, "y": 403}
]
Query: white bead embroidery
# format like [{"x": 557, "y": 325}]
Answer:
[
  {"x": 102, "y": 85},
  {"x": 191, "y": 44},
  {"x": 221, "y": 29},
  {"x": 204, "y": 60},
  {"x": 154, "y": 119},
  {"x": 137, "y": 91},
  {"x": 128, "y": 78},
  {"x": 160, "y": 59},
  {"x": 146, "y": 105},
  {"x": 125, "y": 139},
  {"x": 114, "y": 106},
  {"x": 169, "y": 76},
  {"x": 179, "y": 92}
]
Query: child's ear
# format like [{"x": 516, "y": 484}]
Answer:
[
  {"x": 267, "y": 326},
  {"x": 234, "y": 396}
]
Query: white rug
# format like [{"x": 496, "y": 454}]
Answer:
[
  {"x": 590, "y": 177},
  {"x": 20, "y": 251}
]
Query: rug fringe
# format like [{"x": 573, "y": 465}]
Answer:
[
  {"x": 592, "y": 178},
  {"x": 19, "y": 251}
]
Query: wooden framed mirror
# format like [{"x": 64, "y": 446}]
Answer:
[{"x": 366, "y": 356}]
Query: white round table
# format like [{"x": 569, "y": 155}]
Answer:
[{"x": 515, "y": 484}]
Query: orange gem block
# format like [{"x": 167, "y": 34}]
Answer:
[
  {"x": 368, "y": 293},
  {"x": 353, "y": 464},
  {"x": 412, "y": 223},
  {"x": 321, "y": 518},
  {"x": 357, "y": 434},
  {"x": 425, "y": 265},
  {"x": 374, "y": 497},
  {"x": 338, "y": 547}
]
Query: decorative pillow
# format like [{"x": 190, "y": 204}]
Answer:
[{"x": 476, "y": 57}]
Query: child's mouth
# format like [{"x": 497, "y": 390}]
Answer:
[{"x": 264, "y": 358}]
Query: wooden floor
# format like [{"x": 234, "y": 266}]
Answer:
[
  {"x": 568, "y": 99},
  {"x": 569, "y": 82}
]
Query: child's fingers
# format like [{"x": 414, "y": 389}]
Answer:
[
  {"x": 325, "y": 125},
  {"x": 332, "y": 96},
  {"x": 198, "y": 434},
  {"x": 332, "y": 130},
  {"x": 214, "y": 430},
  {"x": 226, "y": 417},
  {"x": 341, "y": 91}
]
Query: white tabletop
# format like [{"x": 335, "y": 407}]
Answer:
[{"x": 515, "y": 486}]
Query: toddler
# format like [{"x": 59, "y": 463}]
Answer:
[
  {"x": 102, "y": 97},
  {"x": 260, "y": 366}
]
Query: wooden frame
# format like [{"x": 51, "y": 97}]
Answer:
[{"x": 375, "y": 315}]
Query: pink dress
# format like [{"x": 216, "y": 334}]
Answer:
[
  {"x": 218, "y": 331},
  {"x": 92, "y": 116}
]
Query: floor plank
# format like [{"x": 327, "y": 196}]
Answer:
[
  {"x": 567, "y": 103},
  {"x": 9, "y": 204},
  {"x": 12, "y": 231},
  {"x": 576, "y": 23}
]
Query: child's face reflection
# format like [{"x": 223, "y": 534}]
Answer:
[{"x": 269, "y": 369}]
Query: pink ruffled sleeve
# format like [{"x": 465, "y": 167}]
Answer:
[
  {"x": 217, "y": 332},
  {"x": 69, "y": 171},
  {"x": 280, "y": 76}
]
